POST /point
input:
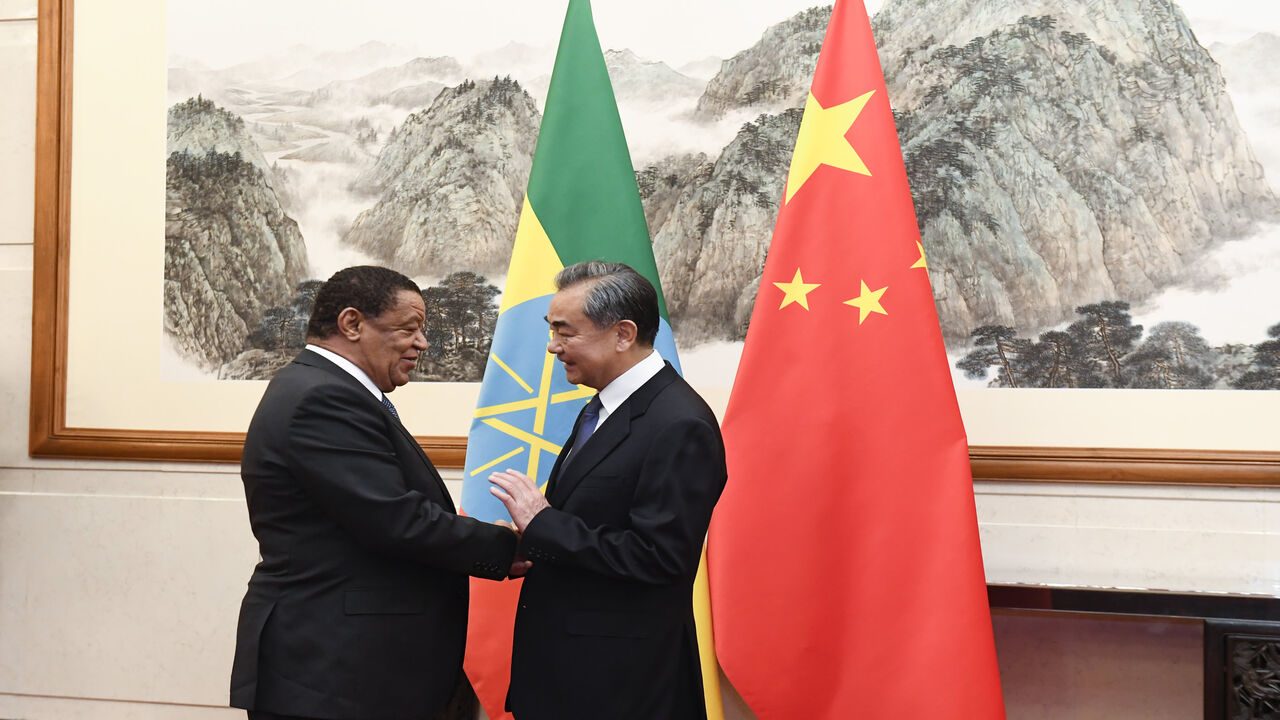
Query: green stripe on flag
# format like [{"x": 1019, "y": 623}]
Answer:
[{"x": 582, "y": 184}]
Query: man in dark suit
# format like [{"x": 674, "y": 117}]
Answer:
[
  {"x": 604, "y": 629},
  {"x": 358, "y": 608}
]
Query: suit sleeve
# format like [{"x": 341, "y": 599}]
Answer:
[
  {"x": 342, "y": 458},
  {"x": 680, "y": 480}
]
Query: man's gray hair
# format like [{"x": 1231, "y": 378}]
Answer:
[{"x": 617, "y": 293}]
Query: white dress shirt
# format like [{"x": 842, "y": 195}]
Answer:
[{"x": 616, "y": 392}]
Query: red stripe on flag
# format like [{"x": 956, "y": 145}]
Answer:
[{"x": 489, "y": 631}]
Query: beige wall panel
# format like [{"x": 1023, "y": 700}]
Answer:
[
  {"x": 18, "y": 9},
  {"x": 17, "y": 126},
  {"x": 1221, "y": 540},
  {"x": 123, "y": 596},
  {"x": 15, "y": 347}
]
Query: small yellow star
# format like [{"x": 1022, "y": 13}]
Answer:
[
  {"x": 920, "y": 263},
  {"x": 821, "y": 141},
  {"x": 797, "y": 291},
  {"x": 868, "y": 302}
]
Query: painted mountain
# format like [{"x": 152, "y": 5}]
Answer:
[
  {"x": 450, "y": 182},
  {"x": 774, "y": 73},
  {"x": 230, "y": 249},
  {"x": 1060, "y": 153},
  {"x": 1071, "y": 161}
]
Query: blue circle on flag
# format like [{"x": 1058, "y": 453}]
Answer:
[{"x": 526, "y": 407}]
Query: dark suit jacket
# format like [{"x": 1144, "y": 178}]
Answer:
[
  {"x": 604, "y": 629},
  {"x": 358, "y": 608}
]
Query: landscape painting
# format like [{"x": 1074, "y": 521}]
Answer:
[{"x": 1093, "y": 179}]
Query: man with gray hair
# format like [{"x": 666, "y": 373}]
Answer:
[{"x": 605, "y": 626}]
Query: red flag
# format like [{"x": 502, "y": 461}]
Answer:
[{"x": 846, "y": 574}]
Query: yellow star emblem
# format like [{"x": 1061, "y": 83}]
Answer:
[
  {"x": 920, "y": 263},
  {"x": 821, "y": 141},
  {"x": 797, "y": 291},
  {"x": 868, "y": 302},
  {"x": 540, "y": 401}
]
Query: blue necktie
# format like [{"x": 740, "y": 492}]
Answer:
[
  {"x": 386, "y": 401},
  {"x": 590, "y": 416}
]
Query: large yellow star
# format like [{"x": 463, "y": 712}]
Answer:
[
  {"x": 797, "y": 291},
  {"x": 868, "y": 302},
  {"x": 822, "y": 142}
]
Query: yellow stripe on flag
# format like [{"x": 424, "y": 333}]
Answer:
[
  {"x": 536, "y": 259},
  {"x": 706, "y": 641},
  {"x": 509, "y": 455}
]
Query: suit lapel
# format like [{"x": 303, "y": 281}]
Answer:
[
  {"x": 565, "y": 477},
  {"x": 431, "y": 468},
  {"x": 306, "y": 357},
  {"x": 612, "y": 431}
]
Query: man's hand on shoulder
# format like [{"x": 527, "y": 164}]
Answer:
[{"x": 520, "y": 495}]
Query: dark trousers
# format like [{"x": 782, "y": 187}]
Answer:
[{"x": 463, "y": 705}]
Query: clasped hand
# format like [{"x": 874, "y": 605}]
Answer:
[{"x": 519, "y": 564}]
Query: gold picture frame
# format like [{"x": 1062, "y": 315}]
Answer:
[{"x": 51, "y": 435}]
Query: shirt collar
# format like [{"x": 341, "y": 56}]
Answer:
[
  {"x": 616, "y": 392},
  {"x": 349, "y": 366}
]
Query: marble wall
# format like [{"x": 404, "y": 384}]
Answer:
[{"x": 119, "y": 582}]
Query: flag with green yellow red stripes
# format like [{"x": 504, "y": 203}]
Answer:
[{"x": 582, "y": 203}]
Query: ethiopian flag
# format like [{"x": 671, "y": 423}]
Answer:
[{"x": 582, "y": 203}]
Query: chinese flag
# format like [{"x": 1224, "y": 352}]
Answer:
[{"x": 845, "y": 570}]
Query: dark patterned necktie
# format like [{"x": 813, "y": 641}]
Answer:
[
  {"x": 386, "y": 401},
  {"x": 590, "y": 416}
]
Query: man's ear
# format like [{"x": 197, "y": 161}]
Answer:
[
  {"x": 349, "y": 323},
  {"x": 627, "y": 332}
]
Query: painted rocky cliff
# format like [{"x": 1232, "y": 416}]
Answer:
[
  {"x": 231, "y": 251},
  {"x": 450, "y": 182}
]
